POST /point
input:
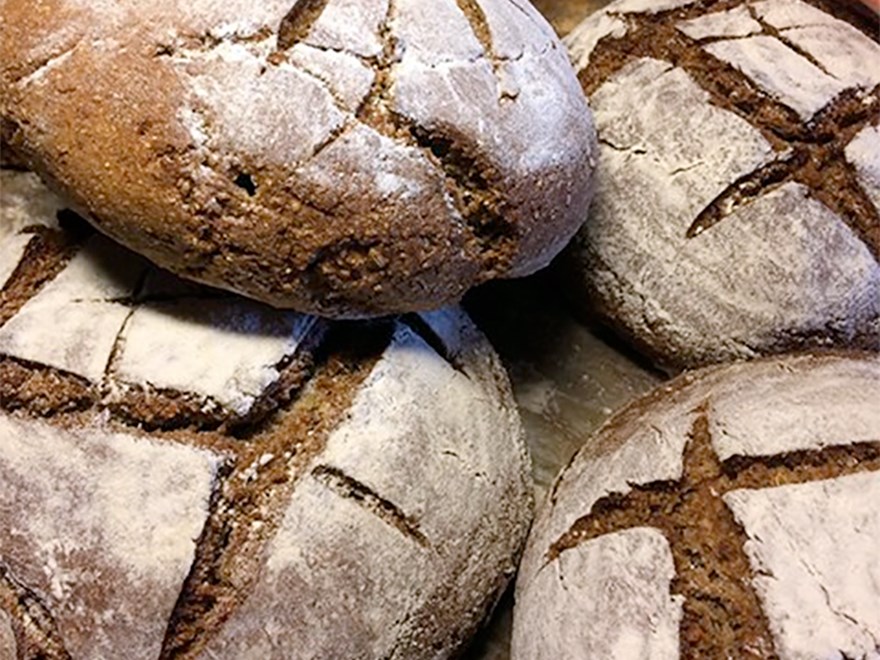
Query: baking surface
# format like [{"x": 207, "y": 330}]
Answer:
[
  {"x": 565, "y": 14},
  {"x": 567, "y": 379}
]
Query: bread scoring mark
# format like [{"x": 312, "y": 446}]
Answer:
[
  {"x": 818, "y": 162},
  {"x": 479, "y": 26},
  {"x": 43, "y": 391},
  {"x": 349, "y": 488},
  {"x": 812, "y": 151},
  {"x": 771, "y": 31},
  {"x": 35, "y": 629},
  {"x": 252, "y": 495},
  {"x": 48, "y": 391},
  {"x": 424, "y": 330},
  {"x": 45, "y": 256},
  {"x": 706, "y": 541},
  {"x": 298, "y": 22},
  {"x": 468, "y": 178}
]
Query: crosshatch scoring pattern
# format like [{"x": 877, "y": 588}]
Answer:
[
  {"x": 810, "y": 115},
  {"x": 457, "y": 168},
  {"x": 156, "y": 509},
  {"x": 737, "y": 204},
  {"x": 754, "y": 537}
]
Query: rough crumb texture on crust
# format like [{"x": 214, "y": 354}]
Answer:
[
  {"x": 700, "y": 253},
  {"x": 181, "y": 488},
  {"x": 220, "y": 164},
  {"x": 732, "y": 525}
]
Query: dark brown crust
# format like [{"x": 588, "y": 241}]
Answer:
[
  {"x": 722, "y": 613},
  {"x": 351, "y": 255},
  {"x": 45, "y": 256},
  {"x": 298, "y": 22},
  {"x": 472, "y": 183},
  {"x": 282, "y": 436},
  {"x": 817, "y": 146},
  {"x": 42, "y": 391},
  {"x": 230, "y": 550}
]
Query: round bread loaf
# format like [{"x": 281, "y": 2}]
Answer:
[
  {"x": 736, "y": 211},
  {"x": 344, "y": 157},
  {"x": 731, "y": 513},
  {"x": 188, "y": 474}
]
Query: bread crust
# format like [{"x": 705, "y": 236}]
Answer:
[
  {"x": 736, "y": 211},
  {"x": 349, "y": 160},
  {"x": 729, "y": 513},
  {"x": 185, "y": 470}
]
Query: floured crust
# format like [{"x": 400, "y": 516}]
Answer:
[
  {"x": 759, "y": 494},
  {"x": 737, "y": 205},
  {"x": 205, "y": 503},
  {"x": 338, "y": 157}
]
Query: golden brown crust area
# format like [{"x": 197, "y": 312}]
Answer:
[{"x": 265, "y": 152}]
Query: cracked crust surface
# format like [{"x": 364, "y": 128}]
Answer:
[
  {"x": 321, "y": 491},
  {"x": 736, "y": 211},
  {"x": 729, "y": 513},
  {"x": 338, "y": 157}
]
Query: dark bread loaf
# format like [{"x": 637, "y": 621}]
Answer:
[
  {"x": 736, "y": 211},
  {"x": 187, "y": 474},
  {"x": 731, "y": 513},
  {"x": 345, "y": 158}
]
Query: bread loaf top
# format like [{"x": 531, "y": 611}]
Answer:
[
  {"x": 736, "y": 210},
  {"x": 332, "y": 156},
  {"x": 190, "y": 474},
  {"x": 729, "y": 513}
]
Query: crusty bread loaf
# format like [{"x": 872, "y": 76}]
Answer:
[
  {"x": 189, "y": 474},
  {"x": 731, "y": 513},
  {"x": 345, "y": 157},
  {"x": 736, "y": 210}
]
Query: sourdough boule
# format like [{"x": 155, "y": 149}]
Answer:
[
  {"x": 731, "y": 513},
  {"x": 185, "y": 473},
  {"x": 336, "y": 157},
  {"x": 736, "y": 211}
]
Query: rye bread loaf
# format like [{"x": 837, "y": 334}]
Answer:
[
  {"x": 731, "y": 513},
  {"x": 736, "y": 211},
  {"x": 348, "y": 158},
  {"x": 188, "y": 474}
]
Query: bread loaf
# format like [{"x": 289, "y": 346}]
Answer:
[
  {"x": 350, "y": 158},
  {"x": 189, "y": 474},
  {"x": 736, "y": 211},
  {"x": 729, "y": 514}
]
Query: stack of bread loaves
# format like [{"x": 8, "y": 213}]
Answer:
[{"x": 243, "y": 417}]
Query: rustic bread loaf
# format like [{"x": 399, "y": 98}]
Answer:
[
  {"x": 736, "y": 210},
  {"x": 349, "y": 158},
  {"x": 188, "y": 474},
  {"x": 731, "y": 513}
]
